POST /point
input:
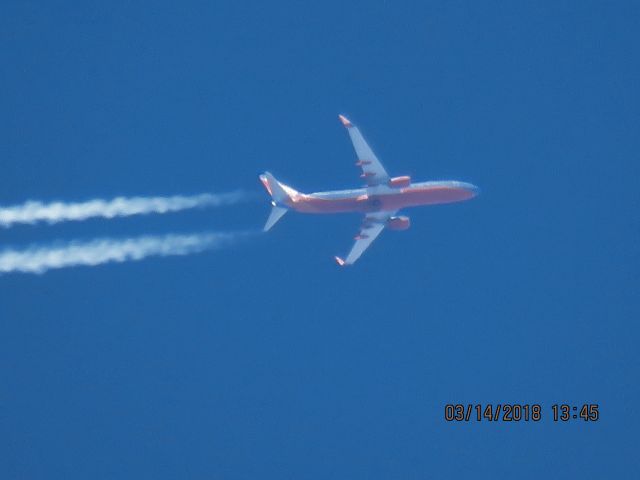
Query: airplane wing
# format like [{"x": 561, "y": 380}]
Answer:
[
  {"x": 372, "y": 170},
  {"x": 372, "y": 226}
]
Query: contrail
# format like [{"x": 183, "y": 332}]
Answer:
[
  {"x": 39, "y": 259},
  {"x": 54, "y": 212}
]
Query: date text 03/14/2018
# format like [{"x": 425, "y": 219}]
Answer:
[{"x": 514, "y": 412}]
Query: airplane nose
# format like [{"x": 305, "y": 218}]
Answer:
[{"x": 475, "y": 190}]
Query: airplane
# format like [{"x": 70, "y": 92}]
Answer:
[{"x": 379, "y": 201}]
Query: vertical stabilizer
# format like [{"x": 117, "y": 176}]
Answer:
[{"x": 279, "y": 192}]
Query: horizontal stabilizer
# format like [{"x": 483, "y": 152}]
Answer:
[{"x": 276, "y": 214}]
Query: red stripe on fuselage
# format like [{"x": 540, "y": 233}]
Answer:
[{"x": 406, "y": 197}]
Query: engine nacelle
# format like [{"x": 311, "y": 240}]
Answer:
[
  {"x": 398, "y": 223},
  {"x": 398, "y": 182}
]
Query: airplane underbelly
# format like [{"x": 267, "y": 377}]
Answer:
[
  {"x": 428, "y": 196},
  {"x": 323, "y": 205},
  {"x": 409, "y": 197}
]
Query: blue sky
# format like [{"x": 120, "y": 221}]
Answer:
[{"x": 265, "y": 359}]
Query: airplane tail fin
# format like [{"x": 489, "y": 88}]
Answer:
[{"x": 281, "y": 195}]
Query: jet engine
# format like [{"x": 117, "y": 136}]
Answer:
[
  {"x": 398, "y": 223},
  {"x": 398, "y": 182}
]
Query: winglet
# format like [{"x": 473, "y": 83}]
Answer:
[
  {"x": 345, "y": 121},
  {"x": 340, "y": 261}
]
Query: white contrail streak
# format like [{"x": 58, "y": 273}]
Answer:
[
  {"x": 54, "y": 212},
  {"x": 39, "y": 259}
]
